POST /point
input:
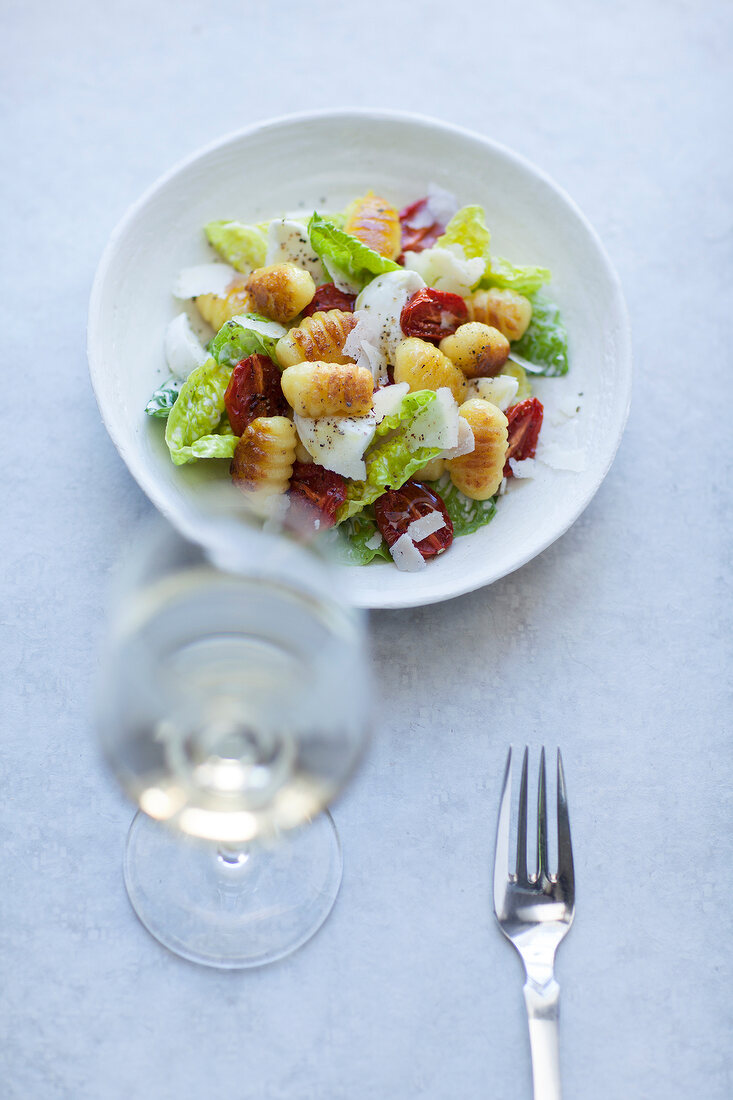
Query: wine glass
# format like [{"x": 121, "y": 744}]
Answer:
[{"x": 232, "y": 705}]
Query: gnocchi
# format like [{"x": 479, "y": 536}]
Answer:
[
  {"x": 503, "y": 309},
  {"x": 425, "y": 367},
  {"x": 318, "y": 338},
  {"x": 217, "y": 310},
  {"x": 264, "y": 456},
  {"x": 280, "y": 291},
  {"x": 376, "y": 223},
  {"x": 328, "y": 389},
  {"x": 479, "y": 473},
  {"x": 478, "y": 350}
]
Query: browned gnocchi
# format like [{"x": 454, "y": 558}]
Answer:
[
  {"x": 318, "y": 338},
  {"x": 425, "y": 367},
  {"x": 216, "y": 309},
  {"x": 264, "y": 456},
  {"x": 479, "y": 473},
  {"x": 376, "y": 223},
  {"x": 328, "y": 389},
  {"x": 478, "y": 350},
  {"x": 280, "y": 291},
  {"x": 503, "y": 309}
]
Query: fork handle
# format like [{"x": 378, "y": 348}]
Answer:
[{"x": 543, "y": 1010}]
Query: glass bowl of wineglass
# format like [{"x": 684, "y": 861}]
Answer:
[{"x": 233, "y": 706}]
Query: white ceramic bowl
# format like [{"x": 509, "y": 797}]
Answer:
[{"x": 324, "y": 159}]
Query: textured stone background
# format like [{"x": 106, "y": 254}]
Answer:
[{"x": 613, "y": 643}]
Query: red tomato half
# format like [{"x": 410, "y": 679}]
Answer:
[
  {"x": 254, "y": 390},
  {"x": 432, "y": 314},
  {"x": 328, "y": 296},
  {"x": 416, "y": 238},
  {"x": 396, "y": 509},
  {"x": 525, "y": 421},
  {"x": 319, "y": 492}
]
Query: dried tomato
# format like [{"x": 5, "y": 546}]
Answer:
[
  {"x": 396, "y": 509},
  {"x": 254, "y": 390},
  {"x": 417, "y": 237},
  {"x": 432, "y": 314},
  {"x": 328, "y": 296},
  {"x": 525, "y": 421},
  {"x": 319, "y": 492}
]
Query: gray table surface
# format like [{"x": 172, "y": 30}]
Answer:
[{"x": 613, "y": 643}]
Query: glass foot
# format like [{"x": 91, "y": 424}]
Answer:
[{"x": 232, "y": 911}]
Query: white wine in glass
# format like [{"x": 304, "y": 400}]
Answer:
[{"x": 233, "y": 707}]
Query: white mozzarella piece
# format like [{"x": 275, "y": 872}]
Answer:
[
  {"x": 378, "y": 310},
  {"x": 446, "y": 268},
  {"x": 204, "y": 279},
  {"x": 288, "y": 242},
  {"x": 406, "y": 555},
  {"x": 183, "y": 349},
  {"x": 436, "y": 425},
  {"x": 420, "y": 528},
  {"x": 338, "y": 442},
  {"x": 500, "y": 391},
  {"x": 388, "y": 400},
  {"x": 374, "y": 542},
  {"x": 465, "y": 443}
]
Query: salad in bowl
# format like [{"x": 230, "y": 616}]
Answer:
[{"x": 371, "y": 366}]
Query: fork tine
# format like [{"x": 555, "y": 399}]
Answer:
[
  {"x": 565, "y": 869},
  {"x": 522, "y": 876},
  {"x": 501, "y": 857},
  {"x": 542, "y": 867}
]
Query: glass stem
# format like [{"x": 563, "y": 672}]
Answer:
[{"x": 232, "y": 855}]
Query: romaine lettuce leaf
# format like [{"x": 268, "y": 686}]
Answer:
[
  {"x": 242, "y": 246},
  {"x": 194, "y": 423},
  {"x": 249, "y": 334},
  {"x": 164, "y": 398},
  {"x": 467, "y": 515},
  {"x": 390, "y": 461},
  {"x": 343, "y": 254},
  {"x": 468, "y": 228},
  {"x": 524, "y": 278},
  {"x": 353, "y": 536},
  {"x": 545, "y": 342}
]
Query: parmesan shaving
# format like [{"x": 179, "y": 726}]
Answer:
[
  {"x": 388, "y": 400},
  {"x": 523, "y": 467},
  {"x": 426, "y": 525},
  {"x": 406, "y": 555},
  {"x": 466, "y": 442},
  {"x": 562, "y": 458},
  {"x": 441, "y": 204},
  {"x": 204, "y": 279}
]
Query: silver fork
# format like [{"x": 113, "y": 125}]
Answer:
[{"x": 535, "y": 913}]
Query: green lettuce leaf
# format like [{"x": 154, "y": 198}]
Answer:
[
  {"x": 353, "y": 536},
  {"x": 390, "y": 461},
  {"x": 194, "y": 422},
  {"x": 545, "y": 342},
  {"x": 467, "y": 515},
  {"x": 352, "y": 259},
  {"x": 242, "y": 246},
  {"x": 249, "y": 334},
  {"x": 164, "y": 398},
  {"x": 524, "y": 278},
  {"x": 468, "y": 228}
]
